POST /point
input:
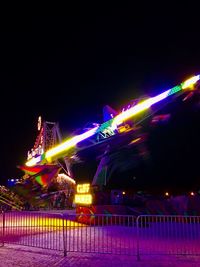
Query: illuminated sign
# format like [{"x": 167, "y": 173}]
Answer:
[
  {"x": 35, "y": 152},
  {"x": 83, "y": 196},
  {"x": 83, "y": 199},
  {"x": 83, "y": 188}
]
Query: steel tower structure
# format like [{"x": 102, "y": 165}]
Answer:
[{"x": 48, "y": 137}]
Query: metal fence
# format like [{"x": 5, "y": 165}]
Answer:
[
  {"x": 33, "y": 229},
  {"x": 106, "y": 234},
  {"x": 2, "y": 228},
  {"x": 161, "y": 235}
]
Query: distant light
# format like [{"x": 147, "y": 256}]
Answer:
[
  {"x": 135, "y": 140},
  {"x": 12, "y": 180},
  {"x": 166, "y": 194},
  {"x": 192, "y": 193},
  {"x": 39, "y": 125},
  {"x": 123, "y": 193}
]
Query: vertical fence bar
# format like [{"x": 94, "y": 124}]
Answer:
[
  {"x": 64, "y": 234},
  {"x": 138, "y": 237},
  {"x": 3, "y": 229}
]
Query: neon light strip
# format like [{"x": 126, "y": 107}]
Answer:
[
  {"x": 149, "y": 102},
  {"x": 138, "y": 108},
  {"x": 69, "y": 143},
  {"x": 190, "y": 82},
  {"x": 114, "y": 122},
  {"x": 33, "y": 161}
]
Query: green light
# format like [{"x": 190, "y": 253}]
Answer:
[{"x": 175, "y": 89}]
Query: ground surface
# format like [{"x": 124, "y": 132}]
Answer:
[{"x": 31, "y": 257}]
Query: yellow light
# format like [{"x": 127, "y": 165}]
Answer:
[
  {"x": 124, "y": 128},
  {"x": 33, "y": 161},
  {"x": 39, "y": 222},
  {"x": 119, "y": 119},
  {"x": 190, "y": 82},
  {"x": 123, "y": 193},
  {"x": 83, "y": 188},
  {"x": 69, "y": 144},
  {"x": 135, "y": 140},
  {"x": 83, "y": 199},
  {"x": 166, "y": 194}
]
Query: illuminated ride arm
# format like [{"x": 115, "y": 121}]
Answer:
[{"x": 61, "y": 149}]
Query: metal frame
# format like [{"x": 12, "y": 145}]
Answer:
[{"x": 103, "y": 234}]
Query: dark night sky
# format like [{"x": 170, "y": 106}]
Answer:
[{"x": 67, "y": 68}]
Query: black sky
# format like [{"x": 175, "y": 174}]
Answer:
[{"x": 67, "y": 68}]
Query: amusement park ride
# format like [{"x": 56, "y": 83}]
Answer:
[{"x": 118, "y": 132}]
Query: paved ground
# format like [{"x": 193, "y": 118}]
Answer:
[{"x": 19, "y": 256}]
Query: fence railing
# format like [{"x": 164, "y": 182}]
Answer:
[
  {"x": 111, "y": 234},
  {"x": 32, "y": 229},
  {"x": 179, "y": 235},
  {"x": 107, "y": 234},
  {"x": 2, "y": 228}
]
